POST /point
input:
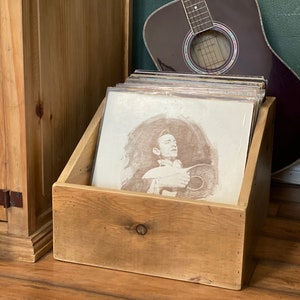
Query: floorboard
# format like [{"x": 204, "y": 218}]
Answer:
[{"x": 277, "y": 274}]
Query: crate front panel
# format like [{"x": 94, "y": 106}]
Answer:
[{"x": 188, "y": 241}]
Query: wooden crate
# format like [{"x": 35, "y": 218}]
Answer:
[{"x": 195, "y": 241}]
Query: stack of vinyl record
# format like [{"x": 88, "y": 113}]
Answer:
[{"x": 178, "y": 135}]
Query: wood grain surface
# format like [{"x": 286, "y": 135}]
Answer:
[{"x": 276, "y": 276}]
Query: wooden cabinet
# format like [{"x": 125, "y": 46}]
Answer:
[{"x": 56, "y": 59}]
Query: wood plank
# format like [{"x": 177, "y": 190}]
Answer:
[
  {"x": 257, "y": 179},
  {"x": 290, "y": 210},
  {"x": 180, "y": 233},
  {"x": 36, "y": 290},
  {"x": 285, "y": 192},
  {"x": 277, "y": 276},
  {"x": 273, "y": 208},
  {"x": 3, "y": 227},
  {"x": 12, "y": 89},
  {"x": 79, "y": 166},
  {"x": 56, "y": 277},
  {"x": 33, "y": 110},
  {"x": 282, "y": 228},
  {"x": 278, "y": 250}
]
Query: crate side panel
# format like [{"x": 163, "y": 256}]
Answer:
[
  {"x": 258, "y": 198},
  {"x": 79, "y": 167}
]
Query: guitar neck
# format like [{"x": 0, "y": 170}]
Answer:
[{"x": 198, "y": 15}]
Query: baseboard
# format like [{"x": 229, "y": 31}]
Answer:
[{"x": 28, "y": 249}]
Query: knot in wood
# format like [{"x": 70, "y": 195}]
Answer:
[{"x": 141, "y": 229}]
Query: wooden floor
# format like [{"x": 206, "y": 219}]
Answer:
[{"x": 277, "y": 275}]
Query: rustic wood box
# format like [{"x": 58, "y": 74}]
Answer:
[{"x": 199, "y": 242}]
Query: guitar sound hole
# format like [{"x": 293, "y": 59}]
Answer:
[
  {"x": 196, "y": 183},
  {"x": 210, "y": 50}
]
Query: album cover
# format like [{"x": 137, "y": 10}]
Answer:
[{"x": 173, "y": 145}]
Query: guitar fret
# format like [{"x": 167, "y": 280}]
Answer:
[
  {"x": 195, "y": 17},
  {"x": 198, "y": 15},
  {"x": 195, "y": 7},
  {"x": 203, "y": 25}
]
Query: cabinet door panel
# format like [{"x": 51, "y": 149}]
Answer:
[{"x": 12, "y": 122}]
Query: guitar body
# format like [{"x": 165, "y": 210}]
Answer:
[{"x": 170, "y": 43}]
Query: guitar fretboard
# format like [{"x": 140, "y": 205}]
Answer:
[{"x": 198, "y": 15}]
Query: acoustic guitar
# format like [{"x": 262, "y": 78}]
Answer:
[
  {"x": 201, "y": 184},
  {"x": 227, "y": 37}
]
